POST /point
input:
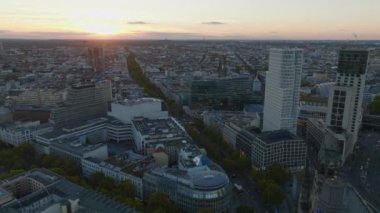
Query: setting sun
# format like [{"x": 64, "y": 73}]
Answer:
[
  {"x": 101, "y": 29},
  {"x": 99, "y": 21}
]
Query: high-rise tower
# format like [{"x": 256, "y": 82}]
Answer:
[
  {"x": 282, "y": 88},
  {"x": 346, "y": 97},
  {"x": 1, "y": 48}
]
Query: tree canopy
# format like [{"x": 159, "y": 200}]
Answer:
[
  {"x": 159, "y": 201},
  {"x": 374, "y": 107},
  {"x": 269, "y": 183}
]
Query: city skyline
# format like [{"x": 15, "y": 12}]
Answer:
[{"x": 148, "y": 19}]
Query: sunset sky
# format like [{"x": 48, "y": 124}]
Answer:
[{"x": 190, "y": 19}]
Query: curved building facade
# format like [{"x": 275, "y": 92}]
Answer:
[{"x": 192, "y": 189}]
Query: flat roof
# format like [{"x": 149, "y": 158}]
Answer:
[
  {"x": 158, "y": 128},
  {"x": 276, "y": 136},
  {"x": 76, "y": 147}
]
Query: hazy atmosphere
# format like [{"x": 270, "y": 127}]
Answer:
[{"x": 198, "y": 19}]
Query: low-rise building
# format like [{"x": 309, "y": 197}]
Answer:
[
  {"x": 100, "y": 130},
  {"x": 333, "y": 194},
  {"x": 164, "y": 130},
  {"x": 197, "y": 182},
  {"x": 19, "y": 133},
  {"x": 312, "y": 106},
  {"x": 73, "y": 149},
  {"x": 40, "y": 190},
  {"x": 127, "y": 110},
  {"x": 124, "y": 167},
  {"x": 332, "y": 143}
]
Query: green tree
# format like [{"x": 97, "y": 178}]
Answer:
[
  {"x": 277, "y": 173},
  {"x": 374, "y": 107},
  {"x": 125, "y": 189},
  {"x": 205, "y": 211},
  {"x": 95, "y": 179},
  {"x": 271, "y": 193},
  {"x": 159, "y": 200},
  {"x": 159, "y": 211},
  {"x": 245, "y": 209}
]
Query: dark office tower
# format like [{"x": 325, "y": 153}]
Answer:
[
  {"x": 346, "y": 97},
  {"x": 1, "y": 48},
  {"x": 96, "y": 58},
  {"x": 83, "y": 102},
  {"x": 229, "y": 92}
]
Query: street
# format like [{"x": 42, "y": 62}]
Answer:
[{"x": 363, "y": 169}]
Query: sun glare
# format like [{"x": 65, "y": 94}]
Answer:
[
  {"x": 101, "y": 29},
  {"x": 99, "y": 21}
]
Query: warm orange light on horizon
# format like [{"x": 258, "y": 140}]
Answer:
[{"x": 101, "y": 22}]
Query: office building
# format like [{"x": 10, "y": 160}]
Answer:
[
  {"x": 313, "y": 106},
  {"x": 75, "y": 150},
  {"x": 197, "y": 183},
  {"x": 2, "y": 51},
  {"x": 282, "y": 89},
  {"x": 96, "y": 58},
  {"x": 19, "y": 133},
  {"x": 256, "y": 87},
  {"x": 273, "y": 147},
  {"x": 83, "y": 102},
  {"x": 91, "y": 132},
  {"x": 127, "y": 110},
  {"x": 156, "y": 132},
  {"x": 40, "y": 190},
  {"x": 338, "y": 135},
  {"x": 227, "y": 92},
  {"x": 346, "y": 97},
  {"x": 37, "y": 98},
  {"x": 128, "y": 166}
]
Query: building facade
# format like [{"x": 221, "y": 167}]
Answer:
[
  {"x": 346, "y": 97},
  {"x": 83, "y": 102},
  {"x": 230, "y": 92},
  {"x": 283, "y": 81}
]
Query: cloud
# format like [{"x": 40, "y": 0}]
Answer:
[
  {"x": 137, "y": 22},
  {"x": 5, "y": 31},
  {"x": 48, "y": 33},
  {"x": 164, "y": 35},
  {"x": 213, "y": 23},
  {"x": 272, "y": 32}
]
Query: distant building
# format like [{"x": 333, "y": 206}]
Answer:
[
  {"x": 37, "y": 98},
  {"x": 227, "y": 92},
  {"x": 371, "y": 121},
  {"x": 29, "y": 113},
  {"x": 96, "y": 58},
  {"x": 282, "y": 89},
  {"x": 312, "y": 106},
  {"x": 230, "y": 123},
  {"x": 40, "y": 190},
  {"x": 100, "y": 130},
  {"x": 2, "y": 51},
  {"x": 19, "y": 133},
  {"x": 156, "y": 131},
  {"x": 83, "y": 102},
  {"x": 257, "y": 85},
  {"x": 127, "y": 110}
]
